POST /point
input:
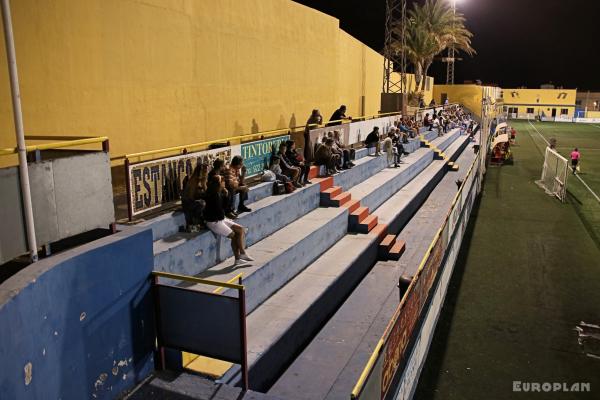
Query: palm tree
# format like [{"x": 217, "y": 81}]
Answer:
[{"x": 431, "y": 29}]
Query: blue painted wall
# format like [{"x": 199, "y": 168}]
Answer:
[{"x": 80, "y": 321}]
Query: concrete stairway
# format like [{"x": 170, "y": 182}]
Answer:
[
  {"x": 279, "y": 327},
  {"x": 329, "y": 366}
]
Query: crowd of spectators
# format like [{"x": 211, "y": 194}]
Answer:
[{"x": 210, "y": 192}]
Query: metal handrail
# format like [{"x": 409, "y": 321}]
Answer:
[
  {"x": 202, "y": 144},
  {"x": 193, "y": 279},
  {"x": 239, "y": 137},
  {"x": 56, "y": 145},
  {"x": 238, "y": 278}
]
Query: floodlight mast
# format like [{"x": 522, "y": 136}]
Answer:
[
  {"x": 394, "y": 51},
  {"x": 451, "y": 54}
]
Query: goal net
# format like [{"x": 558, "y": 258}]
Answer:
[{"x": 554, "y": 174}]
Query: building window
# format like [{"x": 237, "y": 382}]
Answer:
[
  {"x": 578, "y": 102},
  {"x": 530, "y": 110},
  {"x": 564, "y": 111}
]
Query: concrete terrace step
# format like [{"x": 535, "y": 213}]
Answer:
[
  {"x": 367, "y": 224},
  {"x": 340, "y": 199},
  {"x": 373, "y": 191},
  {"x": 397, "y": 250},
  {"x": 385, "y": 246},
  {"x": 169, "y": 223},
  {"x": 192, "y": 253},
  {"x": 328, "y": 194},
  {"x": 358, "y": 215},
  {"x": 282, "y": 255},
  {"x": 286, "y": 321}
]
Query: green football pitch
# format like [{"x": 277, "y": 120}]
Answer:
[{"x": 527, "y": 274}]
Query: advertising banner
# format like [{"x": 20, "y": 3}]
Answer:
[
  {"x": 317, "y": 135},
  {"x": 395, "y": 348},
  {"x": 359, "y": 130},
  {"x": 257, "y": 154},
  {"x": 154, "y": 183}
]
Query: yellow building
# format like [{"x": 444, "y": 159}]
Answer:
[
  {"x": 546, "y": 103},
  {"x": 162, "y": 73}
]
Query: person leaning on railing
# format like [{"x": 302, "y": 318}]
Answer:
[
  {"x": 217, "y": 199},
  {"x": 338, "y": 115}
]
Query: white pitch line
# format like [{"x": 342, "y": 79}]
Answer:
[
  {"x": 578, "y": 177},
  {"x": 538, "y": 132},
  {"x": 588, "y": 188}
]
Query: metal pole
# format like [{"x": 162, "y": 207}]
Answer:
[{"x": 18, "y": 117}]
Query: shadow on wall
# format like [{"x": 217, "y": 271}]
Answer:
[
  {"x": 80, "y": 324},
  {"x": 254, "y": 128},
  {"x": 237, "y": 129}
]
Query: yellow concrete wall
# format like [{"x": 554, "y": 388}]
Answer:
[
  {"x": 160, "y": 73},
  {"x": 468, "y": 95}
]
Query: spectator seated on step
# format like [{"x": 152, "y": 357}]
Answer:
[
  {"x": 217, "y": 198},
  {"x": 221, "y": 170},
  {"x": 346, "y": 153},
  {"x": 372, "y": 141},
  {"x": 275, "y": 167},
  {"x": 297, "y": 160},
  {"x": 325, "y": 156},
  {"x": 287, "y": 167},
  {"x": 427, "y": 122},
  {"x": 234, "y": 182},
  {"x": 192, "y": 198}
]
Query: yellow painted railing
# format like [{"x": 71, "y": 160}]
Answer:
[
  {"x": 193, "y": 279},
  {"x": 274, "y": 132},
  {"x": 65, "y": 142}
]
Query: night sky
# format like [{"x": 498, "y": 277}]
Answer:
[{"x": 518, "y": 42}]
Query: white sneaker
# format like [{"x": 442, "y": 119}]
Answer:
[
  {"x": 246, "y": 257},
  {"x": 239, "y": 262}
]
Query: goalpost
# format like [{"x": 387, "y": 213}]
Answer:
[{"x": 554, "y": 174}]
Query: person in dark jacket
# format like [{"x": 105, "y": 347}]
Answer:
[
  {"x": 313, "y": 122},
  {"x": 338, "y": 115},
  {"x": 214, "y": 215},
  {"x": 324, "y": 156},
  {"x": 220, "y": 169},
  {"x": 192, "y": 198},
  {"x": 287, "y": 167},
  {"x": 297, "y": 161},
  {"x": 372, "y": 141}
]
